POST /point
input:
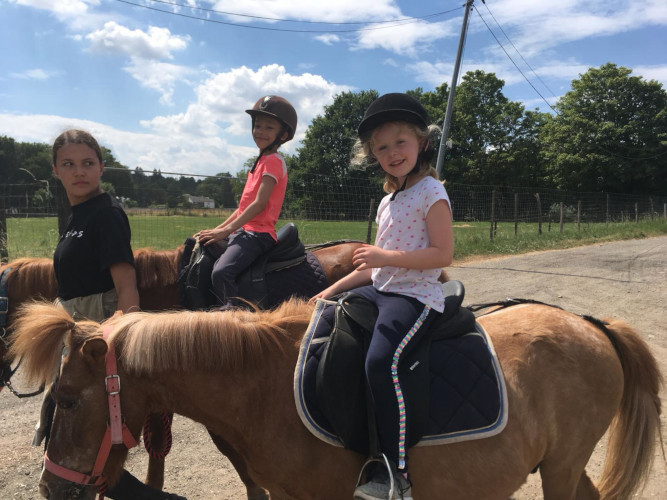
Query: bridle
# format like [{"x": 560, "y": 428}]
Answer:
[
  {"x": 6, "y": 371},
  {"x": 116, "y": 432}
]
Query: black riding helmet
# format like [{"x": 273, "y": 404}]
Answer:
[
  {"x": 278, "y": 108},
  {"x": 393, "y": 107},
  {"x": 390, "y": 108}
]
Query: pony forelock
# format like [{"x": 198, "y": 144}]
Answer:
[{"x": 40, "y": 331}]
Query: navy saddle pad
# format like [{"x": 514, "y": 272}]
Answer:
[{"x": 467, "y": 397}]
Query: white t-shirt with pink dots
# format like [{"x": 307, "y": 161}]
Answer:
[{"x": 402, "y": 226}]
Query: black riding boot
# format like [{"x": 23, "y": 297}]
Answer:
[{"x": 129, "y": 487}]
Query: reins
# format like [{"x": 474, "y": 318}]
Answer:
[{"x": 116, "y": 432}]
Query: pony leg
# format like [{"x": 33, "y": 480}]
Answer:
[
  {"x": 586, "y": 490},
  {"x": 254, "y": 491},
  {"x": 563, "y": 480},
  {"x": 155, "y": 473}
]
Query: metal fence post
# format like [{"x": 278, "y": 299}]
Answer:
[
  {"x": 516, "y": 213},
  {"x": 493, "y": 213},
  {"x": 371, "y": 211},
  {"x": 4, "y": 252},
  {"x": 539, "y": 213}
]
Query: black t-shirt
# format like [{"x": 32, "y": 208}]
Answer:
[{"x": 97, "y": 237}]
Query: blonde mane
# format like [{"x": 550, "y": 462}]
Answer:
[
  {"x": 208, "y": 341},
  {"x": 172, "y": 340},
  {"x": 157, "y": 268},
  {"x": 32, "y": 277}
]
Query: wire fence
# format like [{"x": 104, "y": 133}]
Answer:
[{"x": 327, "y": 199}]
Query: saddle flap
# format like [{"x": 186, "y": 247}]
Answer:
[{"x": 360, "y": 310}]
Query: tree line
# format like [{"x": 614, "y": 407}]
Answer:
[{"x": 607, "y": 134}]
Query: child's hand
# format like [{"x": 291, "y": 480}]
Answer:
[
  {"x": 324, "y": 294},
  {"x": 368, "y": 256},
  {"x": 209, "y": 236}
]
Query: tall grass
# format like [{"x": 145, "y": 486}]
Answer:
[{"x": 38, "y": 237}]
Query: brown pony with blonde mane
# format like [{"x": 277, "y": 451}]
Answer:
[
  {"x": 157, "y": 274},
  {"x": 569, "y": 380}
]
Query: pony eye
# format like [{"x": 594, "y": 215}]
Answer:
[{"x": 66, "y": 403}]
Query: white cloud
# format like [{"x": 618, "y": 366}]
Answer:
[
  {"x": 211, "y": 136},
  {"x": 157, "y": 43},
  {"x": 307, "y": 10},
  {"x": 159, "y": 76},
  {"x": 658, "y": 73},
  {"x": 223, "y": 98},
  {"x": 76, "y": 14},
  {"x": 328, "y": 39},
  {"x": 537, "y": 26},
  {"x": 406, "y": 39},
  {"x": 35, "y": 74}
]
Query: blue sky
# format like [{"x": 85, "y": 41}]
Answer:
[{"x": 163, "y": 90}]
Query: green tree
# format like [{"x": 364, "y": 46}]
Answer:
[
  {"x": 220, "y": 189},
  {"x": 118, "y": 175},
  {"x": 323, "y": 161},
  {"x": 610, "y": 134},
  {"x": 435, "y": 103},
  {"x": 485, "y": 126}
]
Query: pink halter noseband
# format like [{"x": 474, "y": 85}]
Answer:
[{"x": 116, "y": 433}]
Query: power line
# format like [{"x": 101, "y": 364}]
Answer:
[
  {"x": 517, "y": 51},
  {"x": 391, "y": 24},
  {"x": 427, "y": 16},
  {"x": 510, "y": 58}
]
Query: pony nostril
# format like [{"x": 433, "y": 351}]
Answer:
[{"x": 44, "y": 490}]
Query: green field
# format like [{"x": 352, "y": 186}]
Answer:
[{"x": 37, "y": 237}]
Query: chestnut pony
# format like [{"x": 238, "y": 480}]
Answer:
[
  {"x": 157, "y": 272},
  {"x": 569, "y": 380}
]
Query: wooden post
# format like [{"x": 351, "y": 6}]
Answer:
[
  {"x": 561, "y": 217},
  {"x": 516, "y": 213},
  {"x": 578, "y": 215},
  {"x": 539, "y": 213},
  {"x": 664, "y": 210},
  {"x": 493, "y": 213},
  {"x": 371, "y": 212},
  {"x": 63, "y": 208},
  {"x": 4, "y": 253},
  {"x": 650, "y": 198},
  {"x": 636, "y": 212},
  {"x": 607, "y": 210}
]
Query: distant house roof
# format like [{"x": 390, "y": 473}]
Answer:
[{"x": 199, "y": 199}]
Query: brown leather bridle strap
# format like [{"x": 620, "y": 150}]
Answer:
[{"x": 116, "y": 432}]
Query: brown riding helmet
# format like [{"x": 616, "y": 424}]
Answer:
[{"x": 278, "y": 108}]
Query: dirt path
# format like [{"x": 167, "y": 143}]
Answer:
[{"x": 625, "y": 280}]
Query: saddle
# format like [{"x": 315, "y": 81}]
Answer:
[
  {"x": 451, "y": 381},
  {"x": 197, "y": 261}
]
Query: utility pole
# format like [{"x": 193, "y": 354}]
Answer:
[{"x": 450, "y": 100}]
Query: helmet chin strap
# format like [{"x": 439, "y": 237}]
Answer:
[{"x": 414, "y": 169}]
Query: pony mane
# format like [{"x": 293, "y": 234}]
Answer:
[
  {"x": 30, "y": 274},
  {"x": 38, "y": 337},
  {"x": 208, "y": 341},
  {"x": 157, "y": 268}
]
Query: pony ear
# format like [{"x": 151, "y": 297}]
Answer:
[{"x": 96, "y": 348}]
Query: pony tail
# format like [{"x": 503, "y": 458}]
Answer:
[
  {"x": 38, "y": 336},
  {"x": 632, "y": 435}
]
